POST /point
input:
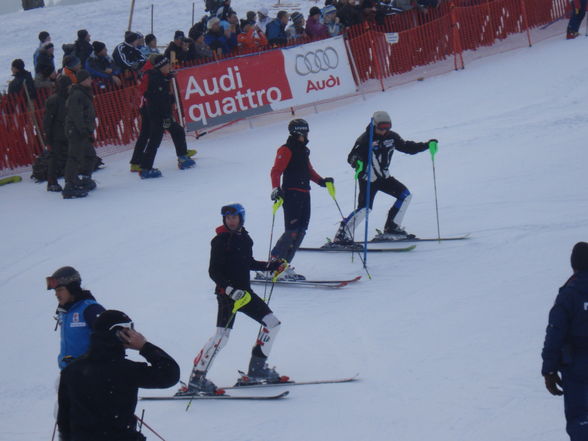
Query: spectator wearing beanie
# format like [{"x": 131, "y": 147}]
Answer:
[
  {"x": 82, "y": 47},
  {"x": 45, "y": 69},
  {"x": 77, "y": 311},
  {"x": 80, "y": 124},
  {"x": 565, "y": 350},
  {"x": 71, "y": 66},
  {"x": 296, "y": 29},
  {"x": 150, "y": 46},
  {"x": 276, "y": 29},
  {"x": 314, "y": 28},
  {"x": 263, "y": 19},
  {"x": 102, "y": 67},
  {"x": 174, "y": 48},
  {"x": 126, "y": 55},
  {"x": 44, "y": 37},
  {"x": 21, "y": 77},
  {"x": 331, "y": 20}
]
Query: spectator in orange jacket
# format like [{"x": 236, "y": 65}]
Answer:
[
  {"x": 252, "y": 38},
  {"x": 71, "y": 66}
]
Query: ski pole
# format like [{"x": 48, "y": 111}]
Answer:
[
  {"x": 54, "y": 430},
  {"x": 141, "y": 420},
  {"x": 238, "y": 304},
  {"x": 367, "y": 195},
  {"x": 150, "y": 428},
  {"x": 433, "y": 150},
  {"x": 275, "y": 208},
  {"x": 331, "y": 189}
]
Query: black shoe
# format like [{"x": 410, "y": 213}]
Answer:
[
  {"x": 399, "y": 232},
  {"x": 87, "y": 183},
  {"x": 72, "y": 192},
  {"x": 54, "y": 187}
]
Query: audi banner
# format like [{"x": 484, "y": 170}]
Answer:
[{"x": 217, "y": 93}]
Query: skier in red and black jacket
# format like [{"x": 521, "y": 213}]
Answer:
[
  {"x": 293, "y": 166},
  {"x": 231, "y": 260}
]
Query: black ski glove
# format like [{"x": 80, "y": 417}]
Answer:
[
  {"x": 277, "y": 193},
  {"x": 323, "y": 182},
  {"x": 552, "y": 380}
]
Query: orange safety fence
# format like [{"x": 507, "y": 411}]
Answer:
[{"x": 434, "y": 40}]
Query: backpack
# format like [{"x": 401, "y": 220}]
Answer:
[{"x": 41, "y": 167}]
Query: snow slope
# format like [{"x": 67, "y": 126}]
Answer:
[{"x": 446, "y": 338}]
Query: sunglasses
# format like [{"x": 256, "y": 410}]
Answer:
[
  {"x": 384, "y": 126},
  {"x": 125, "y": 325}
]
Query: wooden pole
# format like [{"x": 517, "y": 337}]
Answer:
[
  {"x": 152, "y": 18},
  {"x": 131, "y": 14},
  {"x": 192, "y": 14}
]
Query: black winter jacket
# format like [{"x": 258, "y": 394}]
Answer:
[
  {"x": 54, "y": 118},
  {"x": 98, "y": 392},
  {"x": 81, "y": 116},
  {"x": 231, "y": 259},
  {"x": 382, "y": 150},
  {"x": 20, "y": 78},
  {"x": 128, "y": 57},
  {"x": 159, "y": 100}
]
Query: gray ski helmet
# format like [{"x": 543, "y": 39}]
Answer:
[
  {"x": 234, "y": 208},
  {"x": 382, "y": 117},
  {"x": 64, "y": 276},
  {"x": 298, "y": 127},
  {"x": 112, "y": 321}
]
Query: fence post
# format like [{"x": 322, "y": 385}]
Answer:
[
  {"x": 457, "y": 51},
  {"x": 526, "y": 21},
  {"x": 131, "y": 14},
  {"x": 152, "y": 18}
]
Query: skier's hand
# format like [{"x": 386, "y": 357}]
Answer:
[
  {"x": 552, "y": 380},
  {"x": 131, "y": 339},
  {"x": 277, "y": 193},
  {"x": 277, "y": 265},
  {"x": 323, "y": 182}
]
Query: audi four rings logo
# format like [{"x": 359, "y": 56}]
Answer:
[{"x": 316, "y": 61}]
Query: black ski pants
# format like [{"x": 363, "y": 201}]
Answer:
[
  {"x": 390, "y": 186},
  {"x": 256, "y": 309},
  {"x": 81, "y": 157},
  {"x": 156, "y": 135},
  {"x": 296, "y": 218},
  {"x": 57, "y": 160}
]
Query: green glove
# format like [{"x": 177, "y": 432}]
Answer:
[
  {"x": 433, "y": 147},
  {"x": 358, "y": 168}
]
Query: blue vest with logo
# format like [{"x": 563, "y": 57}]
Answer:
[{"x": 75, "y": 332}]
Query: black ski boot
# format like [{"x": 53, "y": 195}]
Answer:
[
  {"x": 199, "y": 385},
  {"x": 395, "y": 231},
  {"x": 259, "y": 373},
  {"x": 87, "y": 183},
  {"x": 72, "y": 191},
  {"x": 54, "y": 187}
]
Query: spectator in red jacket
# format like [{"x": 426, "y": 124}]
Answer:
[{"x": 252, "y": 38}]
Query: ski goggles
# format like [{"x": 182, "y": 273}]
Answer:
[
  {"x": 230, "y": 210},
  {"x": 384, "y": 126},
  {"x": 125, "y": 325},
  {"x": 53, "y": 282}
]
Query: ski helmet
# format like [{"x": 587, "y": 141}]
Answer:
[
  {"x": 298, "y": 127},
  {"x": 233, "y": 209},
  {"x": 112, "y": 321},
  {"x": 64, "y": 276},
  {"x": 382, "y": 120}
]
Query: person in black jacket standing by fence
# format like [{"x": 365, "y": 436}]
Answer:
[
  {"x": 231, "y": 260},
  {"x": 54, "y": 130},
  {"x": 159, "y": 111},
  {"x": 565, "y": 349},
  {"x": 98, "y": 392}
]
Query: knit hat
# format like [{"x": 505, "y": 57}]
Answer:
[
  {"x": 381, "y": 117},
  {"x": 212, "y": 22},
  {"x": 179, "y": 35},
  {"x": 579, "y": 257},
  {"x": 330, "y": 9},
  {"x": 314, "y": 10},
  {"x": 82, "y": 75},
  {"x": 264, "y": 12},
  {"x": 149, "y": 38},
  {"x": 112, "y": 320},
  {"x": 98, "y": 46},
  {"x": 159, "y": 61},
  {"x": 297, "y": 17},
  {"x": 82, "y": 34},
  {"x": 139, "y": 35},
  {"x": 18, "y": 64},
  {"x": 130, "y": 37},
  {"x": 43, "y": 35}
]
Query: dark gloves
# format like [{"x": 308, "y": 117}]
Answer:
[
  {"x": 167, "y": 122},
  {"x": 276, "y": 265},
  {"x": 431, "y": 140},
  {"x": 277, "y": 193},
  {"x": 323, "y": 182},
  {"x": 552, "y": 380}
]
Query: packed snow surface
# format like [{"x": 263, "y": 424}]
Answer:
[{"x": 446, "y": 338}]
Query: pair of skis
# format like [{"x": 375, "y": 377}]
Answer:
[{"x": 252, "y": 397}]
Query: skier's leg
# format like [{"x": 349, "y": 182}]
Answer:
[
  {"x": 294, "y": 220},
  {"x": 155, "y": 137},
  {"x": 396, "y": 214},
  {"x": 345, "y": 233},
  {"x": 142, "y": 139}
]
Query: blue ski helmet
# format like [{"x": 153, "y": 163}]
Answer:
[{"x": 233, "y": 209}]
